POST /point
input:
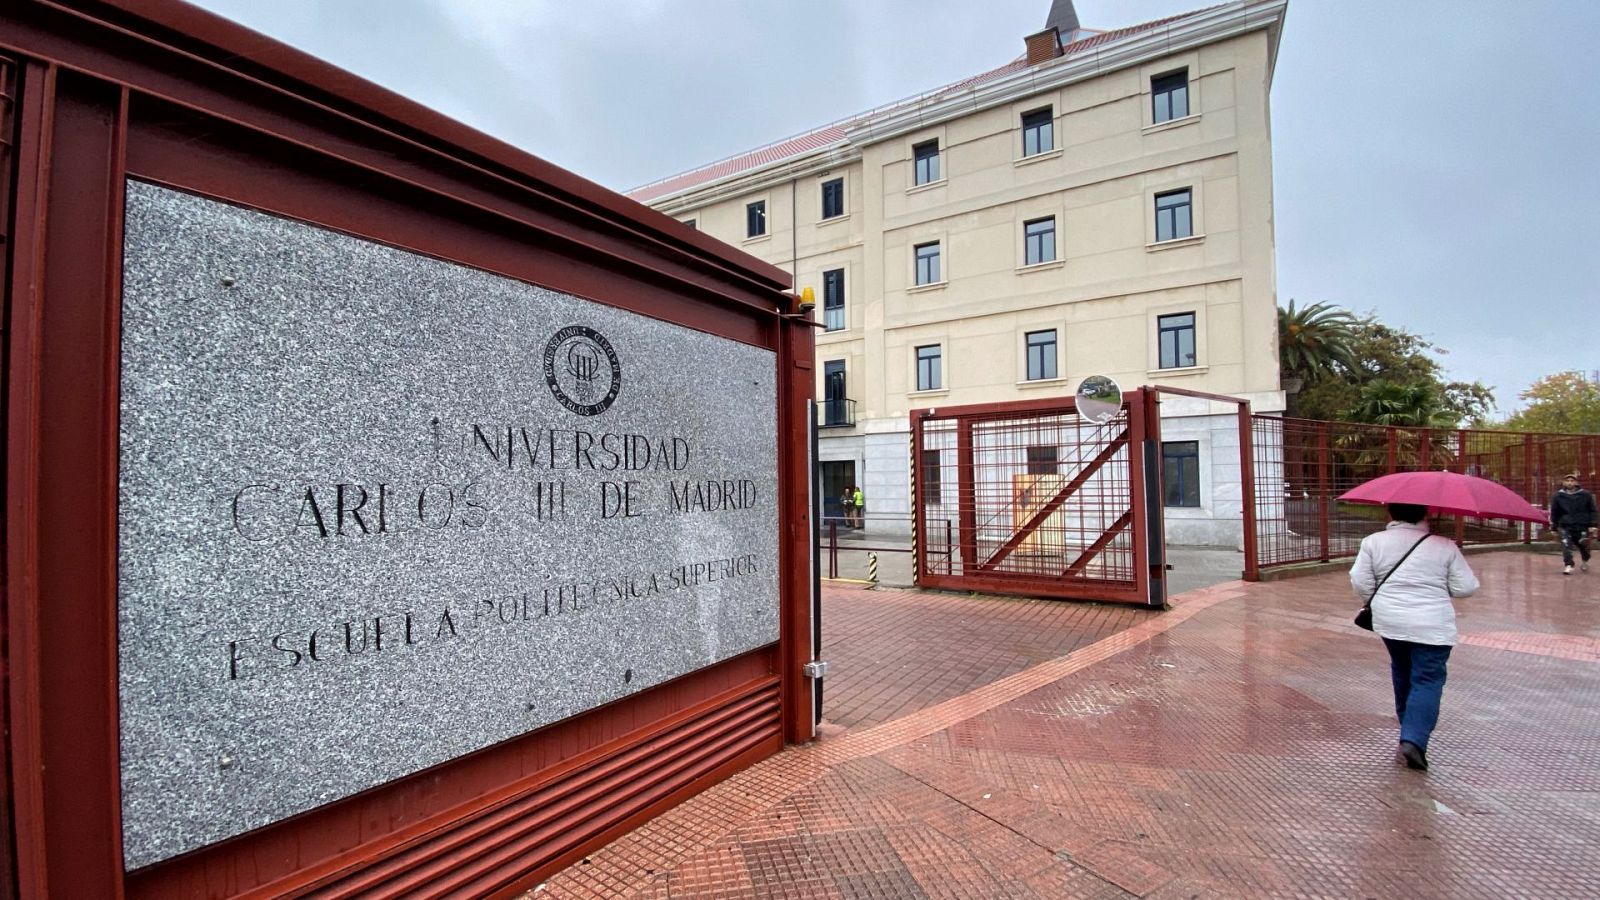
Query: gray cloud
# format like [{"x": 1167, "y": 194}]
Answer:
[{"x": 1433, "y": 160}]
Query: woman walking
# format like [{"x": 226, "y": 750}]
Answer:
[{"x": 1409, "y": 577}]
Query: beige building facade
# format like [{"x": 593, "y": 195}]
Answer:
[{"x": 1101, "y": 205}]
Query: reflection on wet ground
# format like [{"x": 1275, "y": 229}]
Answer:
[{"x": 1241, "y": 745}]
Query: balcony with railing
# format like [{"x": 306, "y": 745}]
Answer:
[{"x": 836, "y": 413}]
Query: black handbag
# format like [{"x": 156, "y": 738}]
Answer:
[{"x": 1364, "y": 617}]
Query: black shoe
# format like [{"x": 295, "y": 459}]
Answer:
[{"x": 1413, "y": 756}]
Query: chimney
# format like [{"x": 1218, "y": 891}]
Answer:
[{"x": 1046, "y": 45}]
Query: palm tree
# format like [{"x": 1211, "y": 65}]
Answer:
[
  {"x": 1312, "y": 339},
  {"x": 1387, "y": 403}
]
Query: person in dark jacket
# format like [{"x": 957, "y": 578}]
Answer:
[{"x": 1572, "y": 514}]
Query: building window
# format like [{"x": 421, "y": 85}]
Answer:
[
  {"x": 1170, "y": 95},
  {"x": 755, "y": 218},
  {"x": 928, "y": 263},
  {"x": 833, "y": 198},
  {"x": 1173, "y": 216},
  {"x": 1180, "y": 473},
  {"x": 1039, "y": 241},
  {"x": 1044, "y": 460},
  {"x": 932, "y": 478},
  {"x": 1038, "y": 132},
  {"x": 1041, "y": 354},
  {"x": 1176, "y": 336},
  {"x": 834, "y": 398},
  {"x": 929, "y": 376},
  {"x": 926, "y": 155},
  {"x": 833, "y": 299},
  {"x": 691, "y": 223}
]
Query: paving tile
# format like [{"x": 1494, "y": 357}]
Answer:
[{"x": 1240, "y": 745}]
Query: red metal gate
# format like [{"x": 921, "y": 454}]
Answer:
[{"x": 1031, "y": 498}]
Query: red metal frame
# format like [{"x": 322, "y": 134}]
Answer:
[
  {"x": 1306, "y": 464},
  {"x": 1070, "y": 523},
  {"x": 158, "y": 90}
]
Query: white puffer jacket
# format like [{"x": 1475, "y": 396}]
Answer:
[{"x": 1414, "y": 604}]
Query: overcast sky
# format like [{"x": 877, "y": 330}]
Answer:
[{"x": 1434, "y": 162}]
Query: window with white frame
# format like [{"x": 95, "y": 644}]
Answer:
[
  {"x": 930, "y": 374},
  {"x": 1169, "y": 96},
  {"x": 1175, "y": 337},
  {"x": 1174, "y": 215},
  {"x": 1041, "y": 347},
  {"x": 927, "y": 256},
  {"x": 1038, "y": 132},
  {"x": 1039, "y": 241},
  {"x": 1180, "y": 473},
  {"x": 932, "y": 487},
  {"x": 925, "y": 159},
  {"x": 833, "y": 299},
  {"x": 755, "y": 219},
  {"x": 1044, "y": 459},
  {"x": 833, "y": 198}
]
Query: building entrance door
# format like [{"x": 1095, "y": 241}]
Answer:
[{"x": 836, "y": 476}]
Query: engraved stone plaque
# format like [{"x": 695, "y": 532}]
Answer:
[{"x": 378, "y": 511}]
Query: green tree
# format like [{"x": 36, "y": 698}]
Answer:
[
  {"x": 1564, "y": 402},
  {"x": 1313, "y": 340},
  {"x": 1418, "y": 404},
  {"x": 1407, "y": 363}
]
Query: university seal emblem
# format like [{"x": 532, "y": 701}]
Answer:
[{"x": 583, "y": 371}]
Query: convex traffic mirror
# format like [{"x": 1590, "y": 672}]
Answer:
[{"x": 1099, "y": 399}]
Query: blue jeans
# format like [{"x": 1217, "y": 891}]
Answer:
[{"x": 1418, "y": 671}]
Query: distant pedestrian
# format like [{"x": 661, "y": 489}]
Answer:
[
  {"x": 1410, "y": 578},
  {"x": 846, "y": 501},
  {"x": 858, "y": 504},
  {"x": 1572, "y": 515}
]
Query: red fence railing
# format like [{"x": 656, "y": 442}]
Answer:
[{"x": 1302, "y": 465}]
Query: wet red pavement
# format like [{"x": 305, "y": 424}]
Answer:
[
  {"x": 1238, "y": 746},
  {"x": 891, "y": 653}
]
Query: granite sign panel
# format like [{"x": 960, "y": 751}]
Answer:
[{"x": 378, "y": 511}]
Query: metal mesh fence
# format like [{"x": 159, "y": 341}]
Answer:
[
  {"x": 1302, "y": 465},
  {"x": 1038, "y": 497}
]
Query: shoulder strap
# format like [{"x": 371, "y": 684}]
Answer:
[{"x": 1395, "y": 567}]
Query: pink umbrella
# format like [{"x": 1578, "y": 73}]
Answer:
[{"x": 1448, "y": 492}]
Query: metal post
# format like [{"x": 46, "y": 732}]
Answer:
[
  {"x": 872, "y": 568},
  {"x": 1155, "y": 525},
  {"x": 1247, "y": 492},
  {"x": 1324, "y": 487},
  {"x": 833, "y": 548},
  {"x": 967, "y": 493},
  {"x": 1461, "y": 469},
  {"x": 1527, "y": 483},
  {"x": 918, "y": 506},
  {"x": 814, "y": 470}
]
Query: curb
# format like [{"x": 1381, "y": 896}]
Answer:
[{"x": 1342, "y": 563}]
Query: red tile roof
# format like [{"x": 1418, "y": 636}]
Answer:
[{"x": 834, "y": 133}]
